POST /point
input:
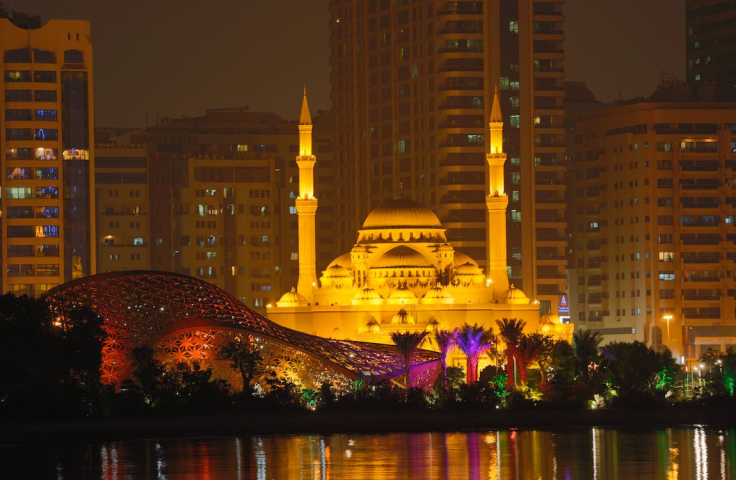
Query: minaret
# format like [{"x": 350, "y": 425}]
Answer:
[
  {"x": 306, "y": 205},
  {"x": 496, "y": 204}
]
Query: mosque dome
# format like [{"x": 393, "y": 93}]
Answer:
[
  {"x": 367, "y": 296},
  {"x": 550, "y": 318},
  {"x": 292, "y": 299},
  {"x": 402, "y": 257},
  {"x": 468, "y": 269},
  {"x": 433, "y": 325},
  {"x": 371, "y": 326},
  {"x": 337, "y": 271},
  {"x": 402, "y": 317},
  {"x": 437, "y": 294},
  {"x": 515, "y": 296},
  {"x": 461, "y": 259},
  {"x": 402, "y": 295},
  {"x": 336, "y": 276},
  {"x": 401, "y": 212}
]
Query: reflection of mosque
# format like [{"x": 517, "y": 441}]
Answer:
[{"x": 403, "y": 273}]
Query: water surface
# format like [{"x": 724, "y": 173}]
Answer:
[{"x": 586, "y": 453}]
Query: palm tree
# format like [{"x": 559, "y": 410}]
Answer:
[
  {"x": 585, "y": 348},
  {"x": 473, "y": 341},
  {"x": 510, "y": 331},
  {"x": 244, "y": 357},
  {"x": 407, "y": 343},
  {"x": 444, "y": 339},
  {"x": 530, "y": 349}
]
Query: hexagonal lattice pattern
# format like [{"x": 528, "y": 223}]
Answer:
[{"x": 182, "y": 318}]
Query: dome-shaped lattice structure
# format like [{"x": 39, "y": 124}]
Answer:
[
  {"x": 144, "y": 307},
  {"x": 399, "y": 213}
]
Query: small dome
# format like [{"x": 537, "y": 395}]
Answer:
[
  {"x": 368, "y": 296},
  {"x": 401, "y": 295},
  {"x": 550, "y": 318},
  {"x": 337, "y": 271},
  {"x": 343, "y": 260},
  {"x": 402, "y": 257},
  {"x": 461, "y": 259},
  {"x": 468, "y": 269},
  {"x": 371, "y": 326},
  {"x": 437, "y": 294},
  {"x": 292, "y": 299},
  {"x": 401, "y": 212},
  {"x": 402, "y": 317},
  {"x": 445, "y": 247},
  {"x": 433, "y": 325},
  {"x": 515, "y": 296}
]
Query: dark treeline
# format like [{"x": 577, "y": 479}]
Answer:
[{"x": 51, "y": 370}]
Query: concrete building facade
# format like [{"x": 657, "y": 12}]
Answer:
[
  {"x": 209, "y": 197},
  {"x": 47, "y": 220},
  {"x": 652, "y": 240}
]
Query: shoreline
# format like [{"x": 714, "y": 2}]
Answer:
[{"x": 359, "y": 422}]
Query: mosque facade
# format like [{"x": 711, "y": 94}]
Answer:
[{"x": 403, "y": 274}]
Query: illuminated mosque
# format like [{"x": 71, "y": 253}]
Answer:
[{"x": 402, "y": 274}]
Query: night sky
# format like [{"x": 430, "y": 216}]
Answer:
[{"x": 168, "y": 58}]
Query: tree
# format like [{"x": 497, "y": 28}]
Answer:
[
  {"x": 444, "y": 339},
  {"x": 473, "y": 341},
  {"x": 637, "y": 372},
  {"x": 244, "y": 356},
  {"x": 407, "y": 343},
  {"x": 532, "y": 348},
  {"x": 585, "y": 348},
  {"x": 510, "y": 331}
]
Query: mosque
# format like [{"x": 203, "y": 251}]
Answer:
[{"x": 403, "y": 274}]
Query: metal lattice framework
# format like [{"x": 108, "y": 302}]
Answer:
[{"x": 185, "y": 319}]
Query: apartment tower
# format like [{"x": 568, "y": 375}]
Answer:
[
  {"x": 412, "y": 87},
  {"x": 48, "y": 219},
  {"x": 653, "y": 241}
]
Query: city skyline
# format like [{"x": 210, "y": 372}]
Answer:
[{"x": 297, "y": 54}]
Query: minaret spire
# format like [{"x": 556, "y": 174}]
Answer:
[
  {"x": 496, "y": 202},
  {"x": 306, "y": 205}
]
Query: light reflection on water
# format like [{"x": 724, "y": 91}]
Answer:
[{"x": 676, "y": 453}]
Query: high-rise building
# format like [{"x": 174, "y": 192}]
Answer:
[
  {"x": 213, "y": 197},
  {"x": 48, "y": 217},
  {"x": 710, "y": 46},
  {"x": 412, "y": 84},
  {"x": 653, "y": 241}
]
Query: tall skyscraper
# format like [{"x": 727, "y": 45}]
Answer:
[
  {"x": 653, "y": 242},
  {"x": 412, "y": 84},
  {"x": 48, "y": 218},
  {"x": 710, "y": 47}
]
